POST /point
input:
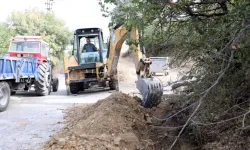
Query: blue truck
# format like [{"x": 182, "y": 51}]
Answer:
[{"x": 26, "y": 64}]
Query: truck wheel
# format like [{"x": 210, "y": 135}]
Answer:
[
  {"x": 55, "y": 84},
  {"x": 4, "y": 96},
  {"x": 74, "y": 89},
  {"x": 67, "y": 89},
  {"x": 113, "y": 85},
  {"x": 12, "y": 92},
  {"x": 43, "y": 84}
]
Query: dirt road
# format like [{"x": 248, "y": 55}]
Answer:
[{"x": 30, "y": 120}]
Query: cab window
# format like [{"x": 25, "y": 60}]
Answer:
[{"x": 25, "y": 46}]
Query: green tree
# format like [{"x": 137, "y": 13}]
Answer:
[
  {"x": 38, "y": 23},
  {"x": 213, "y": 34},
  {"x": 5, "y": 35}
]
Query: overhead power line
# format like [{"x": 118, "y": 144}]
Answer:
[{"x": 49, "y": 5}]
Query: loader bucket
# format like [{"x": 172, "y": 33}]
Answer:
[{"x": 151, "y": 90}]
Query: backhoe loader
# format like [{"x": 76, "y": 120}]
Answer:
[{"x": 86, "y": 68}]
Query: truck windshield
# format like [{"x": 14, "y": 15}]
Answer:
[{"x": 25, "y": 46}]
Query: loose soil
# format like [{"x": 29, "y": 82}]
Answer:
[
  {"x": 115, "y": 123},
  {"x": 120, "y": 123}
]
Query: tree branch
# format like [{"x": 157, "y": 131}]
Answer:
[
  {"x": 208, "y": 2},
  {"x": 166, "y": 118},
  {"x": 243, "y": 120},
  {"x": 222, "y": 4},
  {"x": 237, "y": 105},
  {"x": 166, "y": 128},
  {"x": 202, "y": 98},
  {"x": 219, "y": 122}
]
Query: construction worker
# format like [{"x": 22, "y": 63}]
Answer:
[{"x": 89, "y": 47}]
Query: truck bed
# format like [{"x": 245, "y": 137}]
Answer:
[{"x": 17, "y": 68}]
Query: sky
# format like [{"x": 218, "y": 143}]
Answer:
[{"x": 75, "y": 13}]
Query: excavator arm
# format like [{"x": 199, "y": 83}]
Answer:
[{"x": 150, "y": 88}]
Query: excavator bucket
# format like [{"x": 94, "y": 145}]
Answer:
[{"x": 151, "y": 90}]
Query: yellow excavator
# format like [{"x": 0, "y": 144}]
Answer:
[{"x": 94, "y": 64}]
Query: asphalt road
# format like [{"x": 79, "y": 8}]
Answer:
[{"x": 29, "y": 120}]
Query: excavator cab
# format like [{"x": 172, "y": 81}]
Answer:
[
  {"x": 89, "y": 52},
  {"x": 94, "y": 63},
  {"x": 85, "y": 67},
  {"x": 92, "y": 52}
]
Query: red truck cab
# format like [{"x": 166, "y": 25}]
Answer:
[{"x": 29, "y": 46}]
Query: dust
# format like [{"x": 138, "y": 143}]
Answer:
[{"x": 127, "y": 71}]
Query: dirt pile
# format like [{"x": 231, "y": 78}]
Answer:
[{"x": 115, "y": 123}]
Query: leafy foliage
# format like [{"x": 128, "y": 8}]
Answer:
[
  {"x": 5, "y": 34},
  {"x": 204, "y": 32},
  {"x": 37, "y": 23}
]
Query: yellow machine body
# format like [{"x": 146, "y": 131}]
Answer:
[{"x": 103, "y": 72}]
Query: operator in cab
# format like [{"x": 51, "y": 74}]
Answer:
[{"x": 89, "y": 47}]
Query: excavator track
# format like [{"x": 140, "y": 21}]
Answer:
[{"x": 151, "y": 90}]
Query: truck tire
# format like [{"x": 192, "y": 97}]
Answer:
[
  {"x": 74, "y": 88},
  {"x": 4, "y": 96},
  {"x": 12, "y": 92},
  {"x": 43, "y": 84},
  {"x": 55, "y": 84},
  {"x": 67, "y": 89}
]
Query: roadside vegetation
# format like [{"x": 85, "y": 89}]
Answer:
[
  {"x": 214, "y": 35},
  {"x": 36, "y": 23},
  {"x": 212, "y": 111}
]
